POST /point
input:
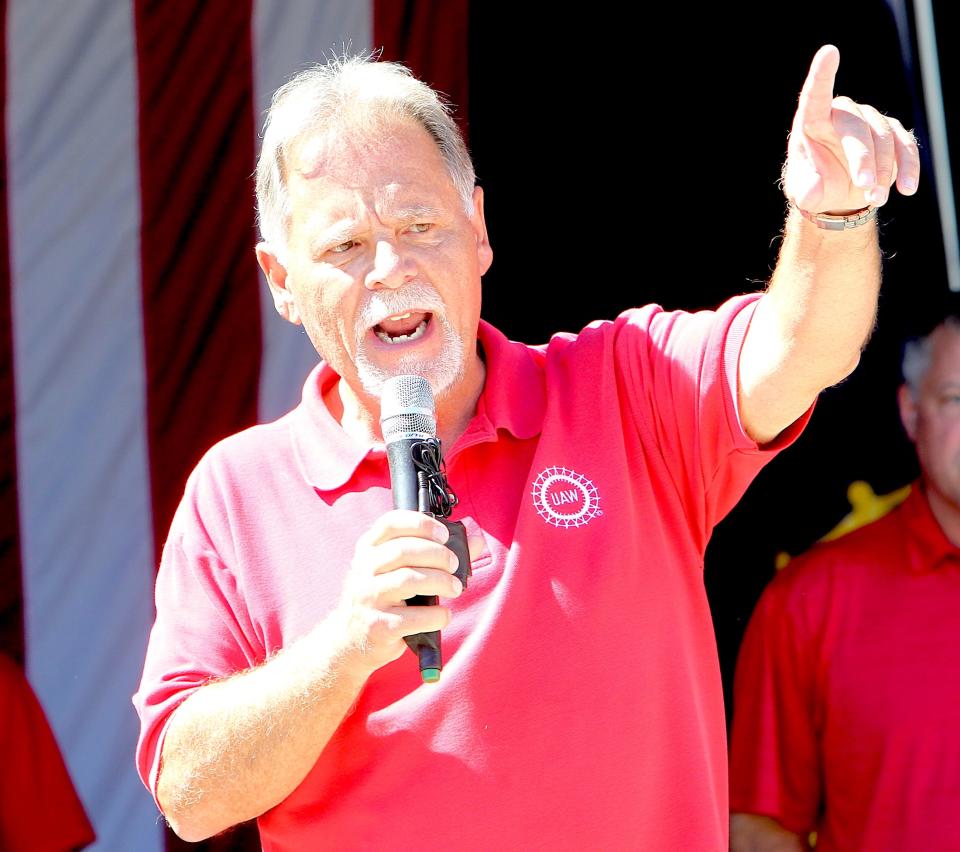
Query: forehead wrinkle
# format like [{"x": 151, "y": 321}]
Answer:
[
  {"x": 407, "y": 175},
  {"x": 416, "y": 212},
  {"x": 355, "y": 134},
  {"x": 347, "y": 192},
  {"x": 390, "y": 206}
]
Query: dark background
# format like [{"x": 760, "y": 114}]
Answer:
[{"x": 627, "y": 167}]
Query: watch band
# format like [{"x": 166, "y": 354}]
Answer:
[{"x": 830, "y": 222}]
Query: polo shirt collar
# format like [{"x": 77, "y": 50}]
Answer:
[
  {"x": 513, "y": 398},
  {"x": 927, "y": 543},
  {"x": 514, "y": 393}
]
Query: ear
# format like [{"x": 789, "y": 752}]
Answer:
[
  {"x": 484, "y": 251},
  {"x": 276, "y": 275},
  {"x": 908, "y": 411}
]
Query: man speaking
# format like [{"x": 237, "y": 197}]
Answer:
[{"x": 579, "y": 703}]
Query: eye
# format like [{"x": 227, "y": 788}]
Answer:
[
  {"x": 343, "y": 247},
  {"x": 420, "y": 227},
  {"x": 949, "y": 400}
]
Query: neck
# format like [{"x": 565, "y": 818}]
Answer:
[{"x": 359, "y": 413}]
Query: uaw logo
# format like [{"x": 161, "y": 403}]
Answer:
[{"x": 565, "y": 498}]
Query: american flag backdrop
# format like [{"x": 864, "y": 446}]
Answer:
[{"x": 135, "y": 329}]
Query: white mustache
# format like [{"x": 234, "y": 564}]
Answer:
[{"x": 382, "y": 304}]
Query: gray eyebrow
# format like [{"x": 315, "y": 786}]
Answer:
[
  {"x": 417, "y": 211},
  {"x": 339, "y": 232},
  {"x": 345, "y": 229}
]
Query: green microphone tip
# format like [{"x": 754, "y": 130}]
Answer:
[{"x": 431, "y": 675}]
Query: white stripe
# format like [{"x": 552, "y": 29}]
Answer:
[
  {"x": 81, "y": 438},
  {"x": 287, "y": 37},
  {"x": 939, "y": 144}
]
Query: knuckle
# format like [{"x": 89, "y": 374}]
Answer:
[
  {"x": 362, "y": 596},
  {"x": 845, "y": 109},
  {"x": 407, "y": 578},
  {"x": 362, "y": 549},
  {"x": 395, "y": 585},
  {"x": 389, "y": 525},
  {"x": 380, "y": 631},
  {"x": 435, "y": 530},
  {"x": 385, "y": 522},
  {"x": 426, "y": 618},
  {"x": 364, "y": 566},
  {"x": 391, "y": 551},
  {"x": 366, "y": 538}
]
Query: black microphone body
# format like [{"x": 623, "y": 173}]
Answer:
[
  {"x": 407, "y": 419},
  {"x": 403, "y": 474}
]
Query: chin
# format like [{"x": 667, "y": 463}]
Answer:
[
  {"x": 441, "y": 362},
  {"x": 443, "y": 373}
]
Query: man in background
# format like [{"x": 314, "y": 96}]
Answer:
[{"x": 847, "y": 690}]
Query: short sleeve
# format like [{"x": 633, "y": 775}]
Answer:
[
  {"x": 681, "y": 372},
  {"x": 775, "y": 767},
  {"x": 202, "y": 631}
]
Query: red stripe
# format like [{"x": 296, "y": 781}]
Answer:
[
  {"x": 430, "y": 37},
  {"x": 201, "y": 310},
  {"x": 200, "y": 279},
  {"x": 11, "y": 588}
]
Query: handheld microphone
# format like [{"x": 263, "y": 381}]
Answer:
[{"x": 408, "y": 421}]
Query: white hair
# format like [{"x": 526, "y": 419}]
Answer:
[
  {"x": 349, "y": 93},
  {"x": 918, "y": 354}
]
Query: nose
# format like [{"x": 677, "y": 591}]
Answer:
[{"x": 391, "y": 266}]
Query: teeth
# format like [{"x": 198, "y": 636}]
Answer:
[
  {"x": 399, "y": 317},
  {"x": 416, "y": 334}
]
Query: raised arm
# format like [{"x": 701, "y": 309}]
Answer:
[{"x": 843, "y": 158}]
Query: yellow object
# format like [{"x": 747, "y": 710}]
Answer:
[{"x": 866, "y": 507}]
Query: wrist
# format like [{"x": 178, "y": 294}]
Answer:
[
  {"x": 842, "y": 220},
  {"x": 350, "y": 653}
]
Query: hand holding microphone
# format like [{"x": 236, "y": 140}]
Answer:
[
  {"x": 408, "y": 424},
  {"x": 403, "y": 554}
]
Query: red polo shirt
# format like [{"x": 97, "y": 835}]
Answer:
[
  {"x": 847, "y": 691},
  {"x": 580, "y": 703}
]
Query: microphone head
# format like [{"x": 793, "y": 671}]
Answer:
[{"x": 407, "y": 409}]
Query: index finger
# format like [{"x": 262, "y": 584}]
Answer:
[
  {"x": 404, "y": 522},
  {"x": 816, "y": 96}
]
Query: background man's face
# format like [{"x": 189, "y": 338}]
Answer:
[
  {"x": 932, "y": 420},
  {"x": 384, "y": 263}
]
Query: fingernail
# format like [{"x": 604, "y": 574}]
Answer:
[
  {"x": 457, "y": 586},
  {"x": 877, "y": 195},
  {"x": 865, "y": 178},
  {"x": 454, "y": 561},
  {"x": 441, "y": 534},
  {"x": 909, "y": 185}
]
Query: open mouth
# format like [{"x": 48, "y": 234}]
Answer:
[{"x": 402, "y": 328}]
